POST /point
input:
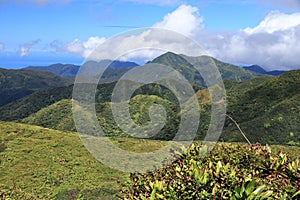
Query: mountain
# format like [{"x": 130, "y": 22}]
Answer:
[
  {"x": 122, "y": 64},
  {"x": 64, "y": 70},
  {"x": 260, "y": 70},
  {"x": 185, "y": 65},
  {"x": 69, "y": 70},
  {"x": 15, "y": 84}
]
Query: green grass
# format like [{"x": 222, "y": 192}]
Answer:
[{"x": 39, "y": 163}]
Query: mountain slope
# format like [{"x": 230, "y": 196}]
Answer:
[
  {"x": 269, "y": 112},
  {"x": 227, "y": 71},
  {"x": 15, "y": 84},
  {"x": 186, "y": 66},
  {"x": 36, "y": 101},
  {"x": 180, "y": 64}
]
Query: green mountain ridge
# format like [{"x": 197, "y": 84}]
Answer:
[
  {"x": 15, "y": 84},
  {"x": 188, "y": 66}
]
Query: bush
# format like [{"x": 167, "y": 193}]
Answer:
[{"x": 229, "y": 171}]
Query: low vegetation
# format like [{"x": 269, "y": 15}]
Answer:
[{"x": 39, "y": 163}]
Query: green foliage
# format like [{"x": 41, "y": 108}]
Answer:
[
  {"x": 267, "y": 109},
  {"x": 227, "y": 172}
]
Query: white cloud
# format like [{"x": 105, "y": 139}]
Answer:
[
  {"x": 185, "y": 19},
  {"x": 1, "y": 46},
  {"x": 25, "y": 48},
  {"x": 83, "y": 48},
  {"x": 276, "y": 21}
]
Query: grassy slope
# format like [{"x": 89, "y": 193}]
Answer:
[{"x": 41, "y": 163}]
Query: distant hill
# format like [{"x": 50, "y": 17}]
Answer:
[
  {"x": 70, "y": 70},
  {"x": 64, "y": 70},
  {"x": 260, "y": 70},
  {"x": 15, "y": 84}
]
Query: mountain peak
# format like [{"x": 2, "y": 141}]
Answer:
[{"x": 256, "y": 68}]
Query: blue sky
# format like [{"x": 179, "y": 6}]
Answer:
[{"x": 41, "y": 32}]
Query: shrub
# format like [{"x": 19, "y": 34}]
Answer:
[{"x": 229, "y": 171}]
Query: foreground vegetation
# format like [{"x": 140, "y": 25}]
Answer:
[
  {"x": 40, "y": 163},
  {"x": 227, "y": 172}
]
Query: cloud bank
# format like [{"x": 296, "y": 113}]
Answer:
[{"x": 274, "y": 43}]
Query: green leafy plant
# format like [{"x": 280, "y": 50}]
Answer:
[{"x": 229, "y": 171}]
